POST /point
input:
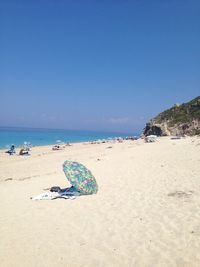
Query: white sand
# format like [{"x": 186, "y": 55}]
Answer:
[{"x": 146, "y": 213}]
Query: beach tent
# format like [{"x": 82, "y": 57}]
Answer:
[{"x": 80, "y": 177}]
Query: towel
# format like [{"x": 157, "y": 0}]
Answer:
[{"x": 53, "y": 195}]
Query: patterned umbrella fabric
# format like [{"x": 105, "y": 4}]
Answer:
[{"x": 80, "y": 177}]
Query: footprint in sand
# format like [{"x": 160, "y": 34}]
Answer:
[{"x": 181, "y": 194}]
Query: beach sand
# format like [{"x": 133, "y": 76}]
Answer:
[{"x": 146, "y": 212}]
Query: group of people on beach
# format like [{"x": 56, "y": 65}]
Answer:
[
  {"x": 60, "y": 146},
  {"x": 116, "y": 139},
  {"x": 24, "y": 151}
]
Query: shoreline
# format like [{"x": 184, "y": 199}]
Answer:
[
  {"x": 99, "y": 141},
  {"x": 103, "y": 141},
  {"x": 39, "y": 137}
]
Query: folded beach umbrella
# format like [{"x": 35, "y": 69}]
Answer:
[{"x": 80, "y": 177}]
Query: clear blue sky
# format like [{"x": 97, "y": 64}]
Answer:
[{"x": 96, "y": 65}]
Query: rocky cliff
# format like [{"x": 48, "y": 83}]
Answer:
[{"x": 179, "y": 120}]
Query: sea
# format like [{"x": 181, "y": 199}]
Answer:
[{"x": 42, "y": 137}]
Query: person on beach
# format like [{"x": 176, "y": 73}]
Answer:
[
  {"x": 11, "y": 151},
  {"x": 23, "y": 152}
]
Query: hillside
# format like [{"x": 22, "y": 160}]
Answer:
[{"x": 179, "y": 120}]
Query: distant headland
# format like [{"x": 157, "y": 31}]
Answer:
[{"x": 179, "y": 120}]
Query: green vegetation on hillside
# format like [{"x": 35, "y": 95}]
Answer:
[{"x": 184, "y": 113}]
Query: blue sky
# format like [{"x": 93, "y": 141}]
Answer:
[{"x": 96, "y": 65}]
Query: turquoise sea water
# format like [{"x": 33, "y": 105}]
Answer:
[{"x": 39, "y": 137}]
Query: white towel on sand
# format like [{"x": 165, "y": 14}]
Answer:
[{"x": 53, "y": 195}]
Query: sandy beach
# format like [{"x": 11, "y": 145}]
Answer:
[{"x": 146, "y": 212}]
